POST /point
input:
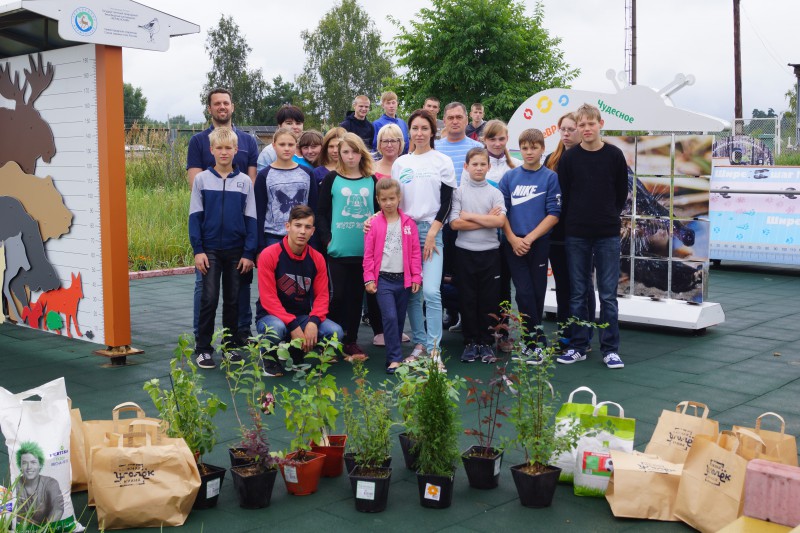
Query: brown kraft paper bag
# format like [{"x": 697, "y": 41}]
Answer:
[
  {"x": 676, "y": 431},
  {"x": 80, "y": 474},
  {"x": 643, "y": 486},
  {"x": 94, "y": 432},
  {"x": 711, "y": 491},
  {"x": 780, "y": 447},
  {"x": 151, "y": 483}
]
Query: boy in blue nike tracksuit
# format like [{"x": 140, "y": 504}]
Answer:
[
  {"x": 533, "y": 204},
  {"x": 222, "y": 231}
]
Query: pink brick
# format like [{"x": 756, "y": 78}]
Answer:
[{"x": 772, "y": 492}]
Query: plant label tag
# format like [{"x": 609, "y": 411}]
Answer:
[
  {"x": 290, "y": 474},
  {"x": 497, "y": 466},
  {"x": 365, "y": 490},
  {"x": 212, "y": 488},
  {"x": 433, "y": 492}
]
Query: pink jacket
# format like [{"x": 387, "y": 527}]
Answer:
[{"x": 373, "y": 249}]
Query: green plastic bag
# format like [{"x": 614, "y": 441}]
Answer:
[
  {"x": 593, "y": 464},
  {"x": 568, "y": 416}
]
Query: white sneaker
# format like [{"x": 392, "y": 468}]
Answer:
[
  {"x": 457, "y": 326},
  {"x": 612, "y": 360}
]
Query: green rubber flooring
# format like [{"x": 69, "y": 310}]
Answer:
[{"x": 746, "y": 366}]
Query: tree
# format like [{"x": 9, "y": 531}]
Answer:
[
  {"x": 770, "y": 113},
  {"x": 486, "y": 51},
  {"x": 277, "y": 94},
  {"x": 134, "y": 104},
  {"x": 227, "y": 48},
  {"x": 344, "y": 58}
]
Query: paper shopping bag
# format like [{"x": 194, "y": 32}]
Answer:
[
  {"x": 94, "y": 432},
  {"x": 149, "y": 481},
  {"x": 711, "y": 490},
  {"x": 643, "y": 486},
  {"x": 593, "y": 464},
  {"x": 77, "y": 459},
  {"x": 568, "y": 417},
  {"x": 780, "y": 447},
  {"x": 676, "y": 431}
]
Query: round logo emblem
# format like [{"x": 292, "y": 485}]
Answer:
[{"x": 84, "y": 21}]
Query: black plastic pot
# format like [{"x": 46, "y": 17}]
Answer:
[
  {"x": 237, "y": 459},
  {"x": 535, "y": 490},
  {"x": 350, "y": 462},
  {"x": 211, "y": 478},
  {"x": 435, "y": 492},
  {"x": 253, "y": 489},
  {"x": 483, "y": 469},
  {"x": 410, "y": 457},
  {"x": 371, "y": 492}
]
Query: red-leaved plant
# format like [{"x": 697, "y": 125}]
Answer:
[{"x": 487, "y": 397}]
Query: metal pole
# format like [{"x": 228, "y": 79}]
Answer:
[
  {"x": 737, "y": 71},
  {"x": 796, "y": 103},
  {"x": 633, "y": 42}
]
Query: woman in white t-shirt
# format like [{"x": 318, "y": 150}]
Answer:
[{"x": 427, "y": 180}]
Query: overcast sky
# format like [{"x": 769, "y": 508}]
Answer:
[{"x": 675, "y": 36}]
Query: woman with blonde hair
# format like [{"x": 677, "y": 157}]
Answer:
[{"x": 390, "y": 146}]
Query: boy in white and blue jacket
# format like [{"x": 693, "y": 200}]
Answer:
[
  {"x": 533, "y": 202},
  {"x": 223, "y": 235}
]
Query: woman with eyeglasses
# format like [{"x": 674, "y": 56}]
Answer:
[
  {"x": 567, "y": 128},
  {"x": 390, "y": 146}
]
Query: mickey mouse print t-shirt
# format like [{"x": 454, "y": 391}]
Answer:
[{"x": 352, "y": 201}]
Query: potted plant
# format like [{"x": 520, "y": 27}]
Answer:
[
  {"x": 187, "y": 411},
  {"x": 410, "y": 378},
  {"x": 367, "y": 420},
  {"x": 482, "y": 461},
  {"x": 254, "y": 468},
  {"x": 309, "y": 411},
  {"x": 437, "y": 428},
  {"x": 532, "y": 414}
]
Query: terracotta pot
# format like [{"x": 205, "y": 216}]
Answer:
[
  {"x": 302, "y": 478},
  {"x": 371, "y": 488},
  {"x": 253, "y": 489},
  {"x": 483, "y": 469},
  {"x": 333, "y": 455},
  {"x": 535, "y": 490},
  {"x": 211, "y": 478}
]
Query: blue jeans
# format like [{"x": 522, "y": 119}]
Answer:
[
  {"x": 280, "y": 332},
  {"x": 243, "y": 303},
  {"x": 431, "y": 292},
  {"x": 606, "y": 252},
  {"x": 392, "y": 299}
]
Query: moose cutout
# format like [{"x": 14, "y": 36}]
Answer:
[{"x": 24, "y": 135}]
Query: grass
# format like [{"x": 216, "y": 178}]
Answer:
[
  {"x": 789, "y": 158},
  {"x": 158, "y": 201}
]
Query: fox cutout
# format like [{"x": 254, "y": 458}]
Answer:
[{"x": 65, "y": 301}]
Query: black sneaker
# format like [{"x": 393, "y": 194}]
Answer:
[
  {"x": 272, "y": 368},
  {"x": 204, "y": 360},
  {"x": 486, "y": 354},
  {"x": 470, "y": 353},
  {"x": 234, "y": 356}
]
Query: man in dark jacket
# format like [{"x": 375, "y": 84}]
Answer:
[{"x": 356, "y": 121}]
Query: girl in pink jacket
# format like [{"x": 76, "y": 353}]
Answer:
[{"x": 392, "y": 266}]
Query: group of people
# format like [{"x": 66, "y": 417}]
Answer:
[{"x": 385, "y": 211}]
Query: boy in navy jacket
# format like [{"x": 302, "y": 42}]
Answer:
[{"x": 222, "y": 231}]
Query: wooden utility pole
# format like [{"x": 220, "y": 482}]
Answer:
[{"x": 737, "y": 69}]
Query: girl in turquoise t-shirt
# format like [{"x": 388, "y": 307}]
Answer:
[{"x": 346, "y": 200}]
